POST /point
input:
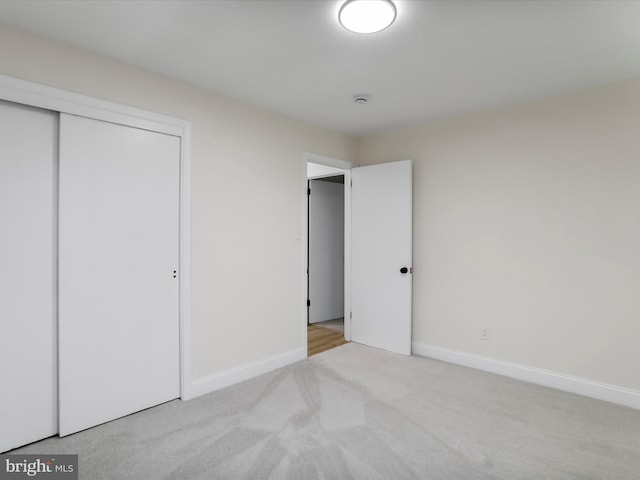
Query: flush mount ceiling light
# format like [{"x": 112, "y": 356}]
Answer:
[{"x": 367, "y": 16}]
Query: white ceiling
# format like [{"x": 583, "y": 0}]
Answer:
[{"x": 439, "y": 58}]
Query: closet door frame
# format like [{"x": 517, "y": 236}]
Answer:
[{"x": 41, "y": 96}]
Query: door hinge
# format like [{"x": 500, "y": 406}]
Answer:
[
  {"x": 308, "y": 303},
  {"x": 308, "y": 191},
  {"x": 350, "y": 314}
]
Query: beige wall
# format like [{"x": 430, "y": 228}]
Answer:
[
  {"x": 526, "y": 219},
  {"x": 247, "y": 196}
]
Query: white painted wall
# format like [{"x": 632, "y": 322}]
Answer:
[
  {"x": 247, "y": 203},
  {"x": 526, "y": 221},
  {"x": 326, "y": 251}
]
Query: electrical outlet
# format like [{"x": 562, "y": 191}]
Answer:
[{"x": 486, "y": 333}]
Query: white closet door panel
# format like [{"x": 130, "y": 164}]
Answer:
[
  {"x": 119, "y": 224},
  {"x": 28, "y": 375}
]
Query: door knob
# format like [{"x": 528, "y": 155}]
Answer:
[{"x": 404, "y": 270}]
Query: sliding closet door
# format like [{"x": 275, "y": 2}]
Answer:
[
  {"x": 28, "y": 152},
  {"x": 118, "y": 260}
]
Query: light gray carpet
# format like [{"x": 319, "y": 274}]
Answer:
[{"x": 359, "y": 413}]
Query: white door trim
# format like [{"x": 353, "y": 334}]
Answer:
[
  {"x": 346, "y": 166},
  {"x": 36, "y": 95}
]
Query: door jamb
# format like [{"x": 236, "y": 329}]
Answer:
[{"x": 346, "y": 167}]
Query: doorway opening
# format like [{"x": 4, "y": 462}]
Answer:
[
  {"x": 327, "y": 323},
  {"x": 325, "y": 260}
]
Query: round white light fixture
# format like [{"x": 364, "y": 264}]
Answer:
[{"x": 367, "y": 16}]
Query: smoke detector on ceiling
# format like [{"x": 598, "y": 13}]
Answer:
[{"x": 361, "y": 98}]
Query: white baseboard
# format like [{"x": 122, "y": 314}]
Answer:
[
  {"x": 211, "y": 383},
  {"x": 568, "y": 383}
]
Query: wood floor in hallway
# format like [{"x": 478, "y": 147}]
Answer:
[{"x": 320, "y": 339}]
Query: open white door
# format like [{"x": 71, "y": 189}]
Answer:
[{"x": 381, "y": 249}]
